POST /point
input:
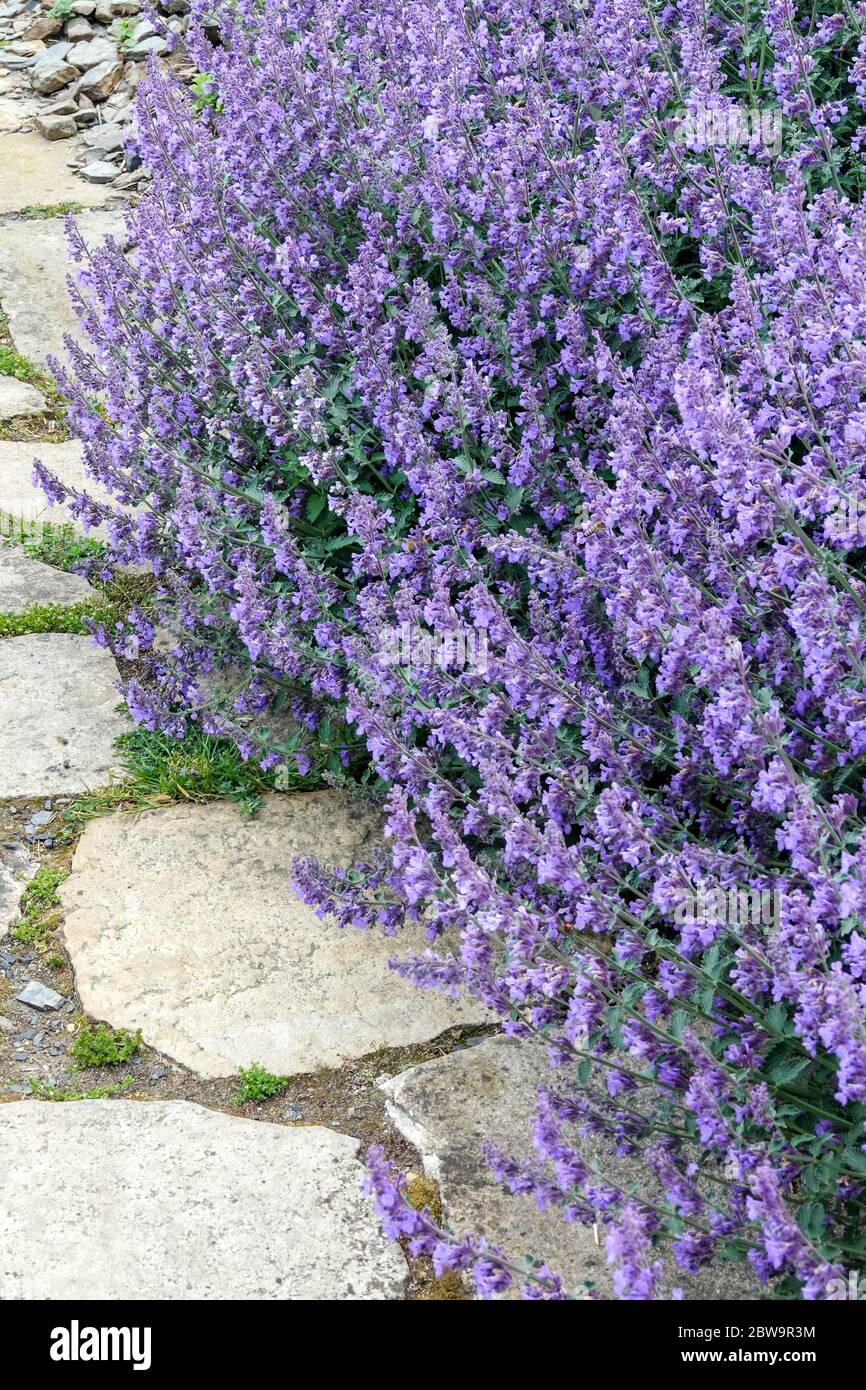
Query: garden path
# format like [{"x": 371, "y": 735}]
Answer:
[{"x": 181, "y": 924}]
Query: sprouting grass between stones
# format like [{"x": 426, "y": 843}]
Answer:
[
  {"x": 100, "y": 1046},
  {"x": 50, "y": 427},
  {"x": 39, "y": 911}
]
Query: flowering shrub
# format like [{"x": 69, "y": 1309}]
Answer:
[{"x": 518, "y": 319}]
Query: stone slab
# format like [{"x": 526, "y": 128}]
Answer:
[
  {"x": 25, "y": 582},
  {"x": 19, "y": 398},
  {"x": 34, "y": 267},
  {"x": 21, "y": 502},
  {"x": 58, "y": 716},
  {"x": 12, "y": 115},
  {"x": 447, "y": 1108},
  {"x": 35, "y": 174},
  {"x": 183, "y": 922},
  {"x": 166, "y": 1200},
  {"x": 17, "y": 866}
]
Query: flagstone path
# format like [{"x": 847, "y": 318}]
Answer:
[
  {"x": 33, "y": 271},
  {"x": 25, "y": 582},
  {"x": 58, "y": 715},
  {"x": 120, "y": 1200},
  {"x": 19, "y": 398},
  {"x": 20, "y": 502},
  {"x": 450, "y": 1107},
  {"x": 182, "y": 922}
]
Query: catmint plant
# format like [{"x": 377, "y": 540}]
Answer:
[{"x": 544, "y": 322}]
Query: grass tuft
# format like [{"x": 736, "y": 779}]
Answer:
[
  {"x": 198, "y": 767},
  {"x": 159, "y": 770},
  {"x": 40, "y": 905}
]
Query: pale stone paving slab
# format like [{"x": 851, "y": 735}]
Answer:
[
  {"x": 183, "y": 922},
  {"x": 447, "y": 1108},
  {"x": 34, "y": 173},
  {"x": 12, "y": 115},
  {"x": 130, "y": 1200},
  {"x": 25, "y": 582},
  {"x": 21, "y": 501},
  {"x": 19, "y": 398},
  {"x": 33, "y": 271},
  {"x": 17, "y": 866},
  {"x": 58, "y": 716}
]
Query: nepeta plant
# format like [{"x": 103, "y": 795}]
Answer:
[{"x": 506, "y": 317}]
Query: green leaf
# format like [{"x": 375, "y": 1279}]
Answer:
[
  {"x": 776, "y": 1018},
  {"x": 784, "y": 1063},
  {"x": 855, "y": 1159},
  {"x": 679, "y": 1021},
  {"x": 810, "y": 1219},
  {"x": 712, "y": 962}
]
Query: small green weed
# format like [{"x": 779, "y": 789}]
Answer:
[
  {"x": 40, "y": 905},
  {"x": 158, "y": 770},
  {"x": 103, "y": 1046},
  {"x": 56, "y": 617},
  {"x": 15, "y": 364},
  {"x": 255, "y": 1083},
  {"x": 38, "y": 212},
  {"x": 62, "y": 547}
]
